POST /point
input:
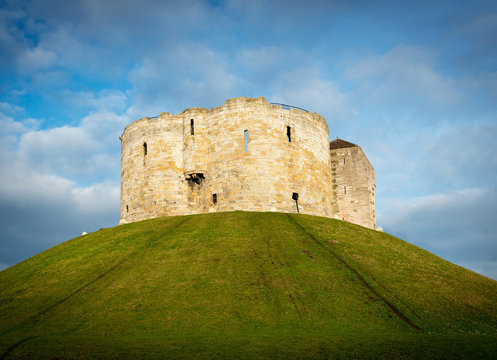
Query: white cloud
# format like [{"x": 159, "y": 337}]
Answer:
[
  {"x": 105, "y": 125},
  {"x": 295, "y": 82},
  {"x": 86, "y": 152},
  {"x": 71, "y": 152},
  {"x": 57, "y": 182},
  {"x": 457, "y": 151},
  {"x": 103, "y": 38},
  {"x": 266, "y": 61},
  {"x": 458, "y": 226},
  {"x": 10, "y": 108},
  {"x": 25, "y": 187},
  {"x": 9, "y": 126},
  {"x": 172, "y": 79},
  {"x": 41, "y": 210},
  {"x": 303, "y": 87},
  {"x": 39, "y": 205},
  {"x": 47, "y": 80},
  {"x": 404, "y": 83},
  {"x": 107, "y": 100},
  {"x": 100, "y": 198},
  {"x": 63, "y": 150},
  {"x": 35, "y": 59},
  {"x": 10, "y": 131}
]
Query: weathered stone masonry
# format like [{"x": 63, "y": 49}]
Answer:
[
  {"x": 353, "y": 184},
  {"x": 245, "y": 155}
]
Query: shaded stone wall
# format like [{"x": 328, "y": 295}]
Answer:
[
  {"x": 353, "y": 186},
  {"x": 181, "y": 171}
]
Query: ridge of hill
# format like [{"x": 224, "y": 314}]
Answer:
[{"x": 244, "y": 284}]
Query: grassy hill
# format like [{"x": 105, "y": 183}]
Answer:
[{"x": 244, "y": 285}]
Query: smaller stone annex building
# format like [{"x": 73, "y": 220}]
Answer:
[{"x": 247, "y": 154}]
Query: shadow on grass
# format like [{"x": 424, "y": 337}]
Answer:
[{"x": 11, "y": 348}]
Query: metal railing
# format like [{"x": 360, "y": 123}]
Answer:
[{"x": 288, "y": 107}]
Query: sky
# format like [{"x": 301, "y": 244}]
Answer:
[{"x": 414, "y": 83}]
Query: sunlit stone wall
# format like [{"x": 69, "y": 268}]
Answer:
[{"x": 244, "y": 155}]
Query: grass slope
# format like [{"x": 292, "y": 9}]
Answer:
[{"x": 244, "y": 285}]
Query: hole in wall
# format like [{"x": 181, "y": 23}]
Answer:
[
  {"x": 214, "y": 198},
  {"x": 192, "y": 127},
  {"x": 145, "y": 150},
  {"x": 289, "y": 133},
  {"x": 196, "y": 178}
]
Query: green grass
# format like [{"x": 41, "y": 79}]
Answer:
[{"x": 244, "y": 285}]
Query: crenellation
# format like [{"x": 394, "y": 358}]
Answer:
[{"x": 179, "y": 163}]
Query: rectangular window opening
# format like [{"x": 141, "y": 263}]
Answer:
[
  {"x": 289, "y": 133},
  {"x": 145, "y": 148},
  {"x": 295, "y": 196},
  {"x": 127, "y": 208},
  {"x": 246, "y": 141},
  {"x": 192, "y": 127},
  {"x": 214, "y": 198}
]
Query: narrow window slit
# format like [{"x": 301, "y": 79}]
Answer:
[
  {"x": 344, "y": 189},
  {"x": 214, "y": 198},
  {"x": 289, "y": 133},
  {"x": 246, "y": 141},
  {"x": 144, "y": 148},
  {"x": 127, "y": 208},
  {"x": 295, "y": 196},
  {"x": 192, "y": 127}
]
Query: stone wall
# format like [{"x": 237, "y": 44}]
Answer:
[
  {"x": 192, "y": 156},
  {"x": 353, "y": 184}
]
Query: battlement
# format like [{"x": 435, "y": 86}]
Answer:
[{"x": 247, "y": 154}]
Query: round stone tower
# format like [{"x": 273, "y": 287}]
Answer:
[{"x": 245, "y": 155}]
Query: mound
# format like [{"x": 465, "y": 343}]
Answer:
[{"x": 243, "y": 284}]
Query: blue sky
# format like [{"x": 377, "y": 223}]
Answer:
[{"x": 414, "y": 83}]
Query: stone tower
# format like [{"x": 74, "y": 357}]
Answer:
[
  {"x": 353, "y": 184},
  {"x": 247, "y": 154}
]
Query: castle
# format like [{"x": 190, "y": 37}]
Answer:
[{"x": 247, "y": 154}]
